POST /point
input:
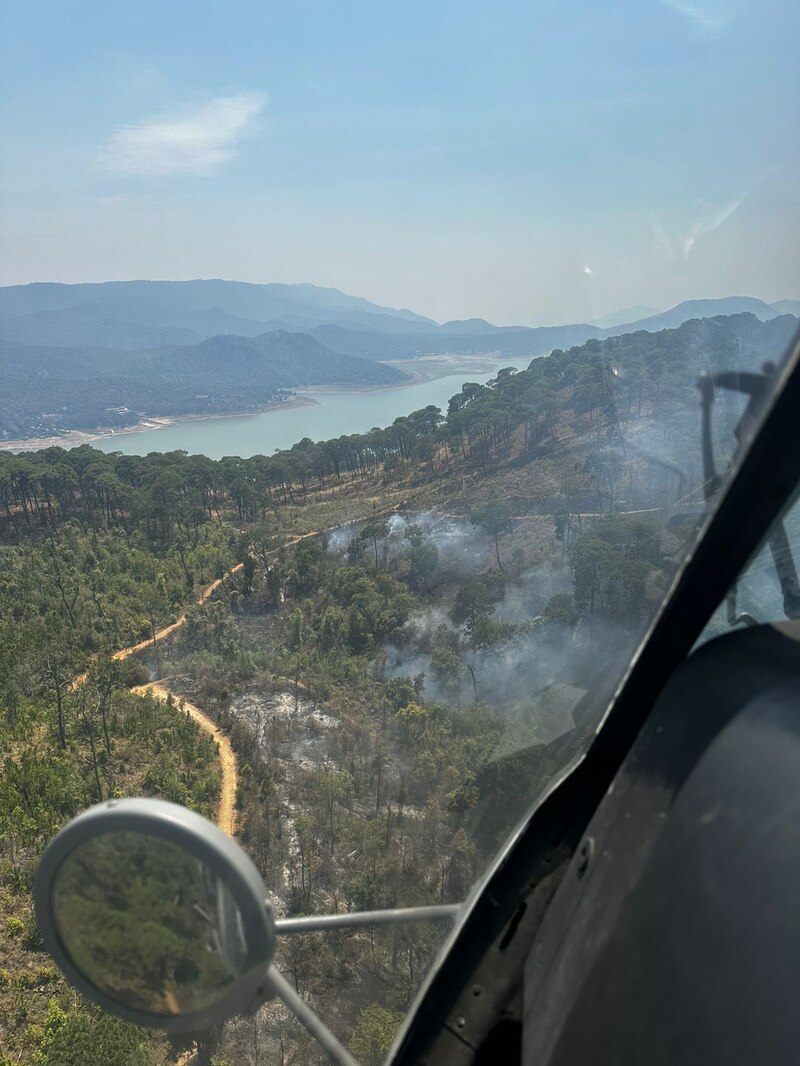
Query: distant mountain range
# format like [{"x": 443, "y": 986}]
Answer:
[
  {"x": 68, "y": 314},
  {"x": 158, "y": 314},
  {"x": 89, "y": 355},
  {"x": 478, "y": 337},
  {"x": 689, "y": 309}
]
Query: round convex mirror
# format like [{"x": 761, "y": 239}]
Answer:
[
  {"x": 148, "y": 924},
  {"x": 155, "y": 914}
]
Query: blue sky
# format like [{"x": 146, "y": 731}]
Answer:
[{"x": 534, "y": 162}]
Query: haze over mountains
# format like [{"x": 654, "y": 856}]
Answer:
[
  {"x": 151, "y": 314},
  {"x": 92, "y": 355},
  {"x": 627, "y": 314},
  {"x": 148, "y": 313}
]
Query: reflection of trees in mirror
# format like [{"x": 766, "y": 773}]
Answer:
[{"x": 147, "y": 924}]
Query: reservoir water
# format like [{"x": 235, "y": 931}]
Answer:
[{"x": 333, "y": 414}]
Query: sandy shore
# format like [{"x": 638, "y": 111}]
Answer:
[
  {"x": 73, "y": 438},
  {"x": 430, "y": 367},
  {"x": 419, "y": 370}
]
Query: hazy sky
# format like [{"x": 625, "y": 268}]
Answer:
[{"x": 535, "y": 162}]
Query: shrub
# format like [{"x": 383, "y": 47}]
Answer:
[{"x": 15, "y": 927}]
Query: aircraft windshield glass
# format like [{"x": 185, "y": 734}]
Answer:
[{"x": 349, "y": 551}]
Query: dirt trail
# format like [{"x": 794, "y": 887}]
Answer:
[
  {"x": 165, "y": 631},
  {"x": 160, "y": 634},
  {"x": 205, "y": 595},
  {"x": 226, "y": 809}
]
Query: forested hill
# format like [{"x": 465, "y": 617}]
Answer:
[
  {"x": 277, "y": 360},
  {"x": 420, "y": 633},
  {"x": 584, "y": 390},
  {"x": 92, "y": 356},
  {"x": 49, "y": 390}
]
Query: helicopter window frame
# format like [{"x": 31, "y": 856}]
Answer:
[{"x": 757, "y": 488}]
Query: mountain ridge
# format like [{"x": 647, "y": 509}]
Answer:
[
  {"x": 243, "y": 299},
  {"x": 145, "y": 314},
  {"x": 689, "y": 309}
]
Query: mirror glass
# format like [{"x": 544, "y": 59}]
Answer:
[{"x": 148, "y": 924}]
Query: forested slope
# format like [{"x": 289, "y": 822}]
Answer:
[
  {"x": 87, "y": 357},
  {"x": 69, "y": 597},
  {"x": 395, "y": 685},
  {"x": 48, "y": 390}
]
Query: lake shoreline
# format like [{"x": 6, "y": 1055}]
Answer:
[
  {"x": 436, "y": 367},
  {"x": 74, "y": 438},
  {"x": 423, "y": 369}
]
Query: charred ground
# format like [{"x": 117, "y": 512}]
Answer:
[{"x": 398, "y": 683}]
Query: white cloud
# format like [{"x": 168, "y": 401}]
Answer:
[
  {"x": 192, "y": 142},
  {"x": 707, "y": 16}
]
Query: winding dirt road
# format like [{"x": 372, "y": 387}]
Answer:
[
  {"x": 160, "y": 634},
  {"x": 226, "y": 808}
]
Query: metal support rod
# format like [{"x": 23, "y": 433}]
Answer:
[
  {"x": 335, "y": 1051},
  {"x": 358, "y": 919}
]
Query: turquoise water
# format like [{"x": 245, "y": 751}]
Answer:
[{"x": 334, "y": 414}]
